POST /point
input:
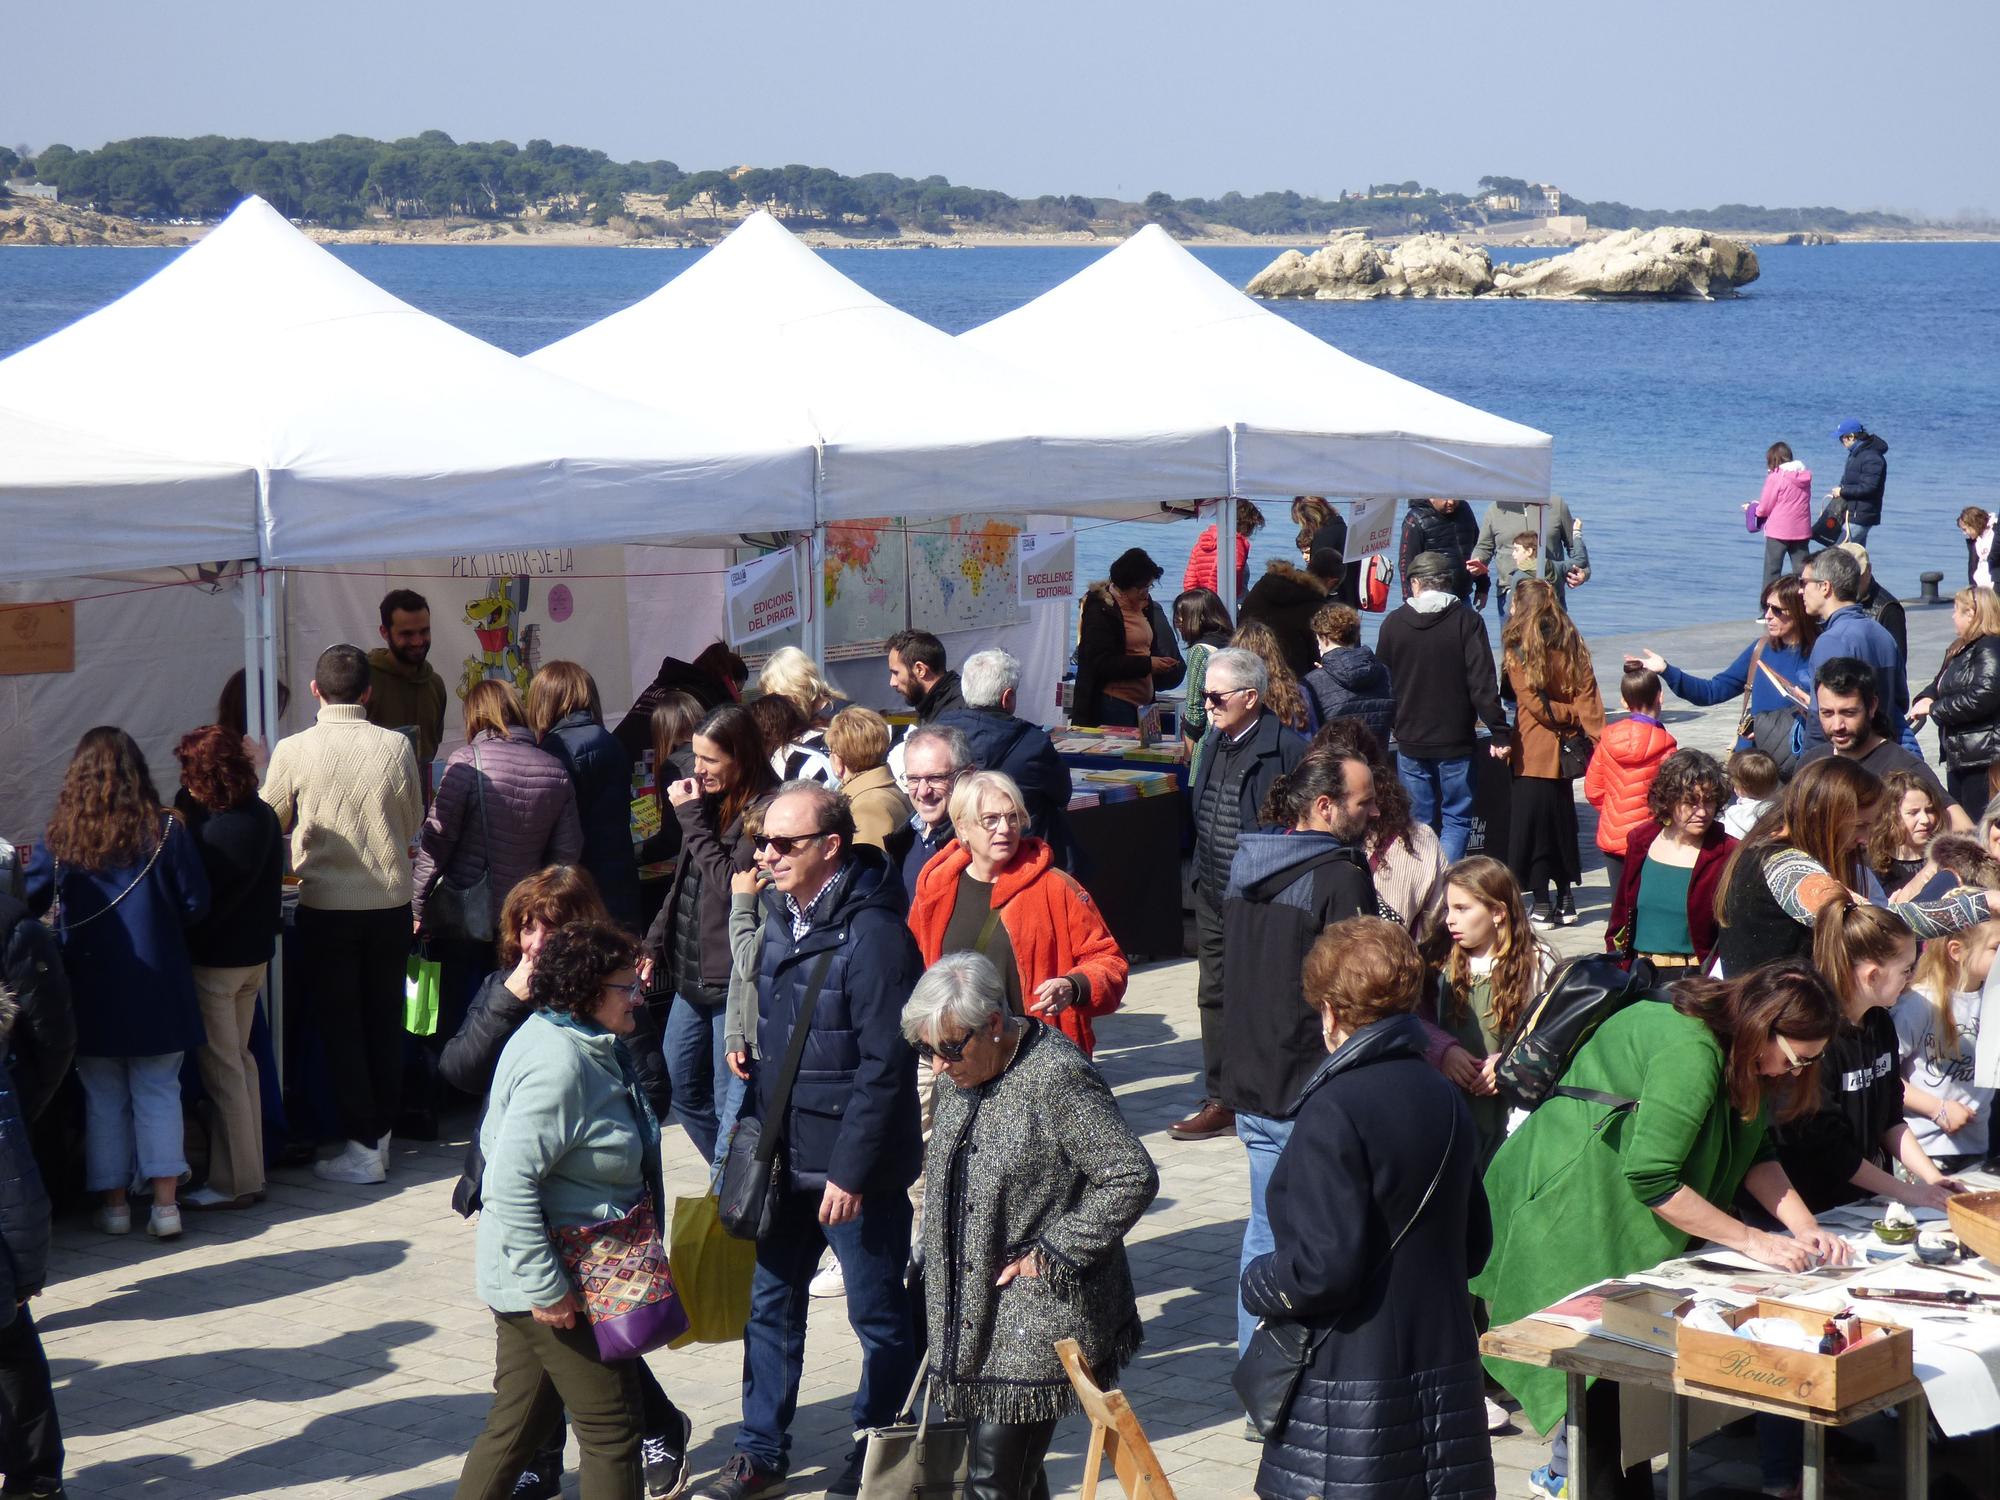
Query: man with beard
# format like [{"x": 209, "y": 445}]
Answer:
[
  {"x": 1850, "y": 718},
  {"x": 918, "y": 675},
  {"x": 406, "y": 691}
]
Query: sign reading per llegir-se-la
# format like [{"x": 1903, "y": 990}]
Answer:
[
  {"x": 1048, "y": 566},
  {"x": 763, "y": 596}
]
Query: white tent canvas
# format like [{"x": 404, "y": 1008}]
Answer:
[
  {"x": 910, "y": 421},
  {"x": 1152, "y": 320},
  {"x": 69, "y": 496},
  {"x": 384, "y": 431}
]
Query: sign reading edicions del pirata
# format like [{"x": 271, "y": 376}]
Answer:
[
  {"x": 1048, "y": 566},
  {"x": 763, "y": 596}
]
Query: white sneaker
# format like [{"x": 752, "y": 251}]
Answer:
[
  {"x": 357, "y": 1164},
  {"x": 829, "y": 1282},
  {"x": 164, "y": 1223},
  {"x": 1498, "y": 1418},
  {"x": 113, "y": 1220}
]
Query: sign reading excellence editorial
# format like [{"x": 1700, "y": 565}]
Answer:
[
  {"x": 763, "y": 596},
  {"x": 1048, "y": 566}
]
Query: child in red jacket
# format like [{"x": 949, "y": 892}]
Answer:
[{"x": 1622, "y": 770}]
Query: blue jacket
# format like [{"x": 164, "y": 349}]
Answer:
[
  {"x": 602, "y": 773},
  {"x": 1864, "y": 479},
  {"x": 1011, "y": 745},
  {"x": 1728, "y": 683},
  {"x": 853, "y": 1113},
  {"x": 1351, "y": 682},
  {"x": 24, "y": 1205},
  {"x": 129, "y": 971},
  {"x": 1851, "y": 631}
]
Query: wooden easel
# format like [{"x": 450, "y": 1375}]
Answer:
[{"x": 1115, "y": 1433}]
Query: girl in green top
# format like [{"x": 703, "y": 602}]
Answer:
[
  {"x": 1495, "y": 965},
  {"x": 1584, "y": 1191}
]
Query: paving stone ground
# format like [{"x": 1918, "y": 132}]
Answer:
[{"x": 328, "y": 1342}]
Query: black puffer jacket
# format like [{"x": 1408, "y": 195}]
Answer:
[
  {"x": 853, "y": 1109},
  {"x": 1269, "y": 750},
  {"x": 24, "y": 1203},
  {"x": 1350, "y": 682},
  {"x": 709, "y": 856},
  {"x": 1428, "y": 529},
  {"x": 1864, "y": 479},
  {"x": 1286, "y": 599},
  {"x": 1392, "y": 1406},
  {"x": 1966, "y": 709},
  {"x": 40, "y": 1042},
  {"x": 601, "y": 771}
]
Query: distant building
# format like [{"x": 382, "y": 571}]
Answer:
[
  {"x": 1551, "y": 202},
  {"x": 41, "y": 190},
  {"x": 1501, "y": 203}
]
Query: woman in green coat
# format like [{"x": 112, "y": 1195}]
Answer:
[{"x": 1636, "y": 1184}]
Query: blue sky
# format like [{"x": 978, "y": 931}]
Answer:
[{"x": 1773, "y": 101}]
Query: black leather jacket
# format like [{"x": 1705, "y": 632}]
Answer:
[{"x": 1966, "y": 706}]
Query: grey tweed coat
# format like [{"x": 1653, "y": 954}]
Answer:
[{"x": 1038, "y": 1158}]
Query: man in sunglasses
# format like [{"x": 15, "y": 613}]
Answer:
[
  {"x": 835, "y": 938},
  {"x": 1243, "y": 752}
]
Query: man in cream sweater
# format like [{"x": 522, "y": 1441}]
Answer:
[{"x": 348, "y": 794}]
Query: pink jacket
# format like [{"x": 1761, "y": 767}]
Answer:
[{"x": 1785, "y": 507}]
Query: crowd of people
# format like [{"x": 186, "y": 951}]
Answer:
[{"x": 875, "y": 948}]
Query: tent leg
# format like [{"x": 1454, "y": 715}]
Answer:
[
  {"x": 815, "y": 625},
  {"x": 1225, "y": 538},
  {"x": 253, "y": 657},
  {"x": 265, "y": 704}
]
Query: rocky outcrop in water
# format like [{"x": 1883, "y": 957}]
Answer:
[{"x": 1633, "y": 264}]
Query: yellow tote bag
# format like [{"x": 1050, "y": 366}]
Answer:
[{"x": 711, "y": 1270}]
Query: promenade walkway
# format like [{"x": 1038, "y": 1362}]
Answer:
[{"x": 328, "y": 1342}]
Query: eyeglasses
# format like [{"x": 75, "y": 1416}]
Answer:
[
  {"x": 636, "y": 989},
  {"x": 1775, "y": 609},
  {"x": 1806, "y": 583},
  {"x": 1794, "y": 1064},
  {"x": 997, "y": 822},
  {"x": 951, "y": 1052},
  {"x": 934, "y": 783},
  {"x": 786, "y": 845},
  {"x": 1214, "y": 699}
]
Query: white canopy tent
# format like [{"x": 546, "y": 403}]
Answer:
[
  {"x": 909, "y": 421},
  {"x": 1304, "y": 418},
  {"x": 382, "y": 431},
  {"x": 71, "y": 496}
]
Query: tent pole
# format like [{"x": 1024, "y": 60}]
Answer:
[
  {"x": 1225, "y": 535},
  {"x": 815, "y": 628},
  {"x": 253, "y": 656},
  {"x": 267, "y": 704}
]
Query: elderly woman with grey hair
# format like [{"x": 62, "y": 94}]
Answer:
[{"x": 1032, "y": 1180}]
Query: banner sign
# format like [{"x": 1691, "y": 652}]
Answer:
[
  {"x": 1048, "y": 567},
  {"x": 1371, "y": 529},
  {"x": 37, "y": 639},
  {"x": 763, "y": 596}
]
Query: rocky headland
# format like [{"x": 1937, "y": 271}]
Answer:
[{"x": 1684, "y": 264}]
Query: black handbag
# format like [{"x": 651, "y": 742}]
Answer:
[
  {"x": 465, "y": 912},
  {"x": 1831, "y": 527},
  {"x": 1573, "y": 746},
  {"x": 746, "y": 1195},
  {"x": 1281, "y": 1350}
]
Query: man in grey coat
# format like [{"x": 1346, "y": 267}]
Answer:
[{"x": 1559, "y": 541}]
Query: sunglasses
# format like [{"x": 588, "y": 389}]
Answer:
[
  {"x": 951, "y": 1052},
  {"x": 1794, "y": 1064},
  {"x": 1217, "y": 699},
  {"x": 785, "y": 845}
]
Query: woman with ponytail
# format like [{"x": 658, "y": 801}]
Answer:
[{"x": 1847, "y": 1147}]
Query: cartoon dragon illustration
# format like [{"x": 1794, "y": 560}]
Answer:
[{"x": 506, "y": 647}]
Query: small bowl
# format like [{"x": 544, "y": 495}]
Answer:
[
  {"x": 1936, "y": 1249},
  {"x": 1894, "y": 1234}
]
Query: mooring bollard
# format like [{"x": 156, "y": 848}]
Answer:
[{"x": 1930, "y": 582}]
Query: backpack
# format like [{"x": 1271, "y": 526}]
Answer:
[{"x": 1579, "y": 998}]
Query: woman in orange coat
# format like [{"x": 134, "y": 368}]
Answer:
[
  {"x": 996, "y": 891},
  {"x": 1547, "y": 672},
  {"x": 1622, "y": 770}
]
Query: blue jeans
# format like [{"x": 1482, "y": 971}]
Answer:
[
  {"x": 1441, "y": 795},
  {"x": 874, "y": 1253},
  {"x": 1855, "y": 531},
  {"x": 692, "y": 1045},
  {"x": 1262, "y": 1139},
  {"x": 727, "y": 1108},
  {"x": 131, "y": 1117}
]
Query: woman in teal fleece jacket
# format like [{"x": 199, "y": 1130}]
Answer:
[{"x": 568, "y": 1139}]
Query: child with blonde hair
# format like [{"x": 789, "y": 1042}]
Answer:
[{"x": 1937, "y": 1033}]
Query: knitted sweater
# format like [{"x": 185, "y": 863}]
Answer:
[{"x": 347, "y": 792}]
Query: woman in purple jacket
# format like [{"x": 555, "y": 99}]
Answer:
[{"x": 1783, "y": 511}]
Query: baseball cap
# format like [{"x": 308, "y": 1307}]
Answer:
[{"x": 1848, "y": 428}]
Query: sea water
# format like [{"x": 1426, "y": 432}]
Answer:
[{"x": 1661, "y": 412}]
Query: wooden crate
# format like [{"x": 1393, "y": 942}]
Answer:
[
  {"x": 1645, "y": 1315},
  {"x": 1817, "y": 1382},
  {"x": 1975, "y": 1219}
]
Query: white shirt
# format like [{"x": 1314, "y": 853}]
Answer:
[{"x": 1947, "y": 1077}]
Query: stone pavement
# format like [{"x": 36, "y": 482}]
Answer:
[{"x": 328, "y": 1342}]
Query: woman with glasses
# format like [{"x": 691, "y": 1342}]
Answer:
[
  {"x": 996, "y": 891},
  {"x": 687, "y": 949},
  {"x": 1773, "y": 668},
  {"x": 1032, "y": 1180},
  {"x": 569, "y": 1140},
  {"x": 1708, "y": 1068},
  {"x": 1663, "y": 909}
]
